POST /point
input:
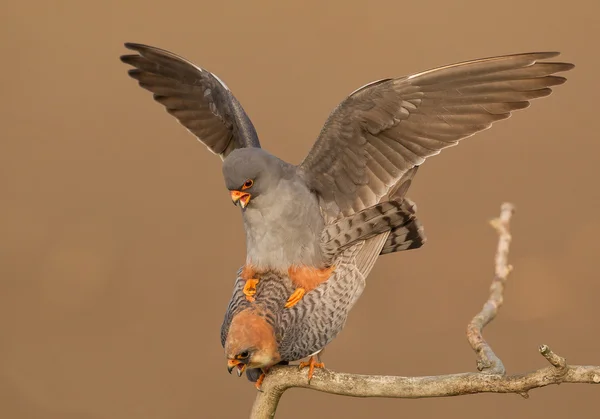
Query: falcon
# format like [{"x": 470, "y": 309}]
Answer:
[{"x": 314, "y": 230}]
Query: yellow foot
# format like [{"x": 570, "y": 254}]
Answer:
[
  {"x": 250, "y": 289},
  {"x": 311, "y": 364},
  {"x": 258, "y": 383},
  {"x": 295, "y": 297}
]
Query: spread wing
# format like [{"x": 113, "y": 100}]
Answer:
[
  {"x": 197, "y": 98},
  {"x": 387, "y": 127}
]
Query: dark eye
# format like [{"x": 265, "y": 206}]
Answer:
[
  {"x": 244, "y": 355},
  {"x": 248, "y": 184}
]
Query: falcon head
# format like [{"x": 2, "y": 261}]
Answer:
[
  {"x": 249, "y": 172},
  {"x": 250, "y": 343}
]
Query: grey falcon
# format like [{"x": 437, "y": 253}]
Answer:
[{"x": 314, "y": 230}]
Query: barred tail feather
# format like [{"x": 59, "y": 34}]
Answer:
[{"x": 410, "y": 236}]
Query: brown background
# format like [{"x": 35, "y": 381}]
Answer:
[{"x": 119, "y": 242}]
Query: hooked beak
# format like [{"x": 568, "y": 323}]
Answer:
[
  {"x": 242, "y": 197},
  {"x": 234, "y": 363}
]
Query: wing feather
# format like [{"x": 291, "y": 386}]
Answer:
[
  {"x": 198, "y": 99},
  {"x": 387, "y": 127}
]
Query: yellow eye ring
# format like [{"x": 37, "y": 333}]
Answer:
[{"x": 248, "y": 184}]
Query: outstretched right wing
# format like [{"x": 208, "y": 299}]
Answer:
[{"x": 197, "y": 98}]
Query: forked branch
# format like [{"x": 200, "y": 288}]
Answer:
[{"x": 491, "y": 377}]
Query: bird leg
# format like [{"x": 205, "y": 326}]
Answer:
[
  {"x": 250, "y": 289},
  {"x": 250, "y": 286},
  {"x": 311, "y": 364},
  {"x": 260, "y": 380},
  {"x": 305, "y": 279},
  {"x": 295, "y": 297}
]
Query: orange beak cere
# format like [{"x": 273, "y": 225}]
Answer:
[
  {"x": 242, "y": 197},
  {"x": 234, "y": 363}
]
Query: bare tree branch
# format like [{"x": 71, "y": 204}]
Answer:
[
  {"x": 487, "y": 361},
  {"x": 490, "y": 379}
]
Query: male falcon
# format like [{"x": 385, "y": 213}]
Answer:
[{"x": 314, "y": 230}]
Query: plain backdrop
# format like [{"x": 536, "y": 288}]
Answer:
[{"x": 119, "y": 244}]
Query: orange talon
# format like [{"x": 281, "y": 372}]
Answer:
[
  {"x": 311, "y": 364},
  {"x": 295, "y": 297},
  {"x": 250, "y": 289},
  {"x": 259, "y": 381}
]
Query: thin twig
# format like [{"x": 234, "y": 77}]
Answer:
[
  {"x": 492, "y": 380},
  {"x": 487, "y": 361}
]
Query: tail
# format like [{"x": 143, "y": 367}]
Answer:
[
  {"x": 407, "y": 236},
  {"x": 395, "y": 216},
  {"x": 387, "y": 227},
  {"x": 410, "y": 235}
]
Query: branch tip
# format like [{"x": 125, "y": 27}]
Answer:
[
  {"x": 507, "y": 207},
  {"x": 555, "y": 360}
]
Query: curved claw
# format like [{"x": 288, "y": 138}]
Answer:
[
  {"x": 311, "y": 364},
  {"x": 250, "y": 289},
  {"x": 258, "y": 383},
  {"x": 295, "y": 297}
]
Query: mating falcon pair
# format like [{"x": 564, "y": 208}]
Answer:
[{"x": 315, "y": 230}]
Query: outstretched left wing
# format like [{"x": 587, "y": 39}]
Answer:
[{"x": 387, "y": 127}]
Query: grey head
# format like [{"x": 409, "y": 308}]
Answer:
[{"x": 251, "y": 172}]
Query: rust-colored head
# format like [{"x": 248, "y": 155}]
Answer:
[{"x": 250, "y": 342}]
